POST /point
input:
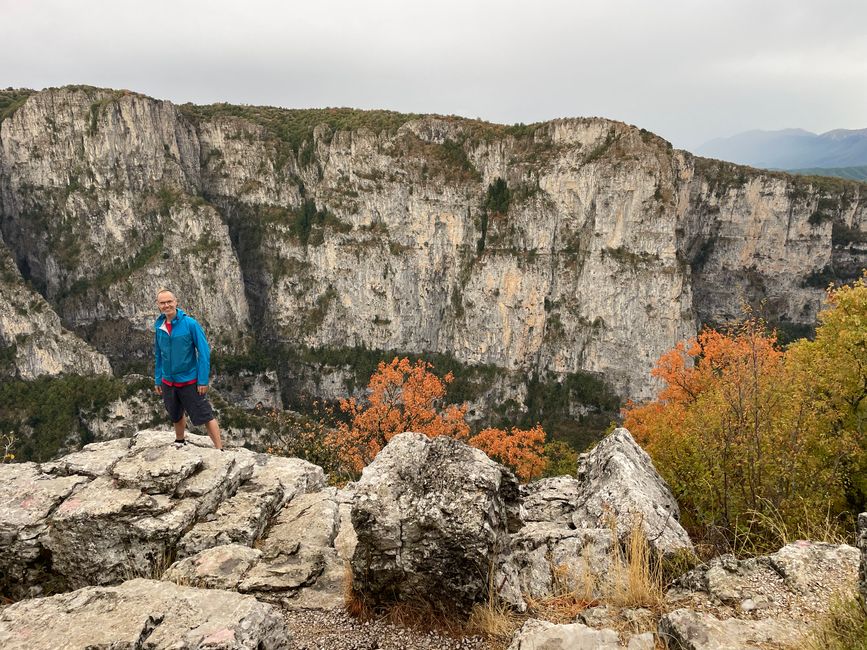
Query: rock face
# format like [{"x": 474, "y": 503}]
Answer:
[
  {"x": 432, "y": 518},
  {"x": 609, "y": 247},
  {"x": 143, "y": 614},
  {"x": 32, "y": 340}
]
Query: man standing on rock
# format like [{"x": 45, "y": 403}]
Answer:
[{"x": 182, "y": 368}]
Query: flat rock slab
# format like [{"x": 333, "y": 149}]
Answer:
[
  {"x": 156, "y": 470},
  {"x": 688, "y": 630},
  {"x": 143, "y": 614},
  {"x": 221, "y": 567},
  {"x": 543, "y": 635},
  {"x": 93, "y": 460}
]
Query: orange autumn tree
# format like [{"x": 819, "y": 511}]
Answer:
[
  {"x": 717, "y": 430},
  {"x": 733, "y": 433},
  {"x": 405, "y": 396},
  {"x": 402, "y": 396},
  {"x": 521, "y": 450}
]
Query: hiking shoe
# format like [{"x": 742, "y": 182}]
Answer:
[{"x": 180, "y": 443}]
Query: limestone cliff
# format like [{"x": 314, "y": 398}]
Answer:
[{"x": 339, "y": 228}]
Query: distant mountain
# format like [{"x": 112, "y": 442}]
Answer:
[{"x": 791, "y": 149}]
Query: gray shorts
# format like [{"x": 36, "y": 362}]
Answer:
[{"x": 178, "y": 399}]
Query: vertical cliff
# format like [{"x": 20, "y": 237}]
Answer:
[{"x": 577, "y": 245}]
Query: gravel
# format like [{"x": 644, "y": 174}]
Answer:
[{"x": 336, "y": 630}]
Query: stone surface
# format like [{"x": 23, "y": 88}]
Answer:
[
  {"x": 432, "y": 517},
  {"x": 93, "y": 460},
  {"x": 126, "y": 508},
  {"x": 618, "y": 486},
  {"x": 242, "y": 517},
  {"x": 220, "y": 567},
  {"x": 552, "y": 559},
  {"x": 27, "y": 499},
  {"x": 862, "y": 545},
  {"x": 773, "y": 582},
  {"x": 551, "y": 500},
  {"x": 143, "y": 614},
  {"x": 687, "y": 630},
  {"x": 538, "y": 635}
]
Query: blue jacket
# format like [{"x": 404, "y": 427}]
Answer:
[{"x": 184, "y": 355}]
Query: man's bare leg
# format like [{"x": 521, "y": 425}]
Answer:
[
  {"x": 214, "y": 432},
  {"x": 180, "y": 427}
]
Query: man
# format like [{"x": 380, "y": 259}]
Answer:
[{"x": 182, "y": 368}]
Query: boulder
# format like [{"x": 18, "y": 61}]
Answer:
[
  {"x": 143, "y": 614},
  {"x": 432, "y": 518},
  {"x": 684, "y": 629},
  {"x": 617, "y": 486}
]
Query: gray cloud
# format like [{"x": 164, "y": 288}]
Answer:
[{"x": 689, "y": 70}]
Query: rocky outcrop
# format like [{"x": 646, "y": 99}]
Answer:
[
  {"x": 576, "y": 526},
  {"x": 746, "y": 603},
  {"x": 608, "y": 248},
  {"x": 618, "y": 486},
  {"x": 432, "y": 518},
  {"x": 143, "y": 614},
  {"x": 127, "y": 507}
]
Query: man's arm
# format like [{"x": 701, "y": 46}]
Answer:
[
  {"x": 158, "y": 366},
  {"x": 203, "y": 357}
]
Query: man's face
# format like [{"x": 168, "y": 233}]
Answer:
[{"x": 167, "y": 303}]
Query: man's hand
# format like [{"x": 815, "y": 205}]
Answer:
[
  {"x": 203, "y": 390},
  {"x": 158, "y": 390}
]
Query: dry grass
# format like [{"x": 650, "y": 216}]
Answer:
[
  {"x": 769, "y": 530},
  {"x": 844, "y": 627},
  {"x": 636, "y": 576}
]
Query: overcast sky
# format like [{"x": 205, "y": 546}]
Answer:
[{"x": 689, "y": 70}]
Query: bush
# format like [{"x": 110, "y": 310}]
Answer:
[{"x": 751, "y": 437}]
